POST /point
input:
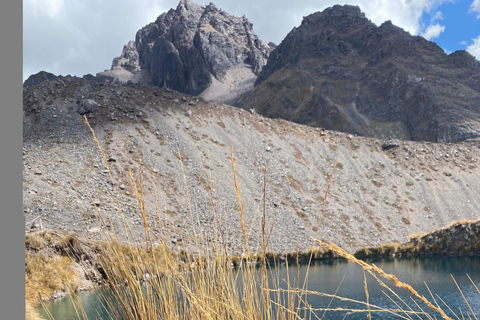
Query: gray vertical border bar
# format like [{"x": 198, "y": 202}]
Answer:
[{"x": 12, "y": 234}]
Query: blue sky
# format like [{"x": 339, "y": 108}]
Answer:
[
  {"x": 78, "y": 37},
  {"x": 461, "y": 24}
]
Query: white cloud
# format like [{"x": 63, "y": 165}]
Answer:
[
  {"x": 475, "y": 7},
  {"x": 38, "y": 8},
  {"x": 78, "y": 37},
  {"x": 474, "y": 48},
  {"x": 433, "y": 31},
  {"x": 438, "y": 16},
  {"x": 284, "y": 15},
  {"x": 463, "y": 43},
  {"x": 405, "y": 14},
  {"x": 402, "y": 13},
  {"x": 96, "y": 30}
]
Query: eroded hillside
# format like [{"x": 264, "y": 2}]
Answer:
[{"x": 377, "y": 195}]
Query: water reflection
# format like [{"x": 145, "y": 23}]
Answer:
[{"x": 347, "y": 279}]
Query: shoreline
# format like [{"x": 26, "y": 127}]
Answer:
[{"x": 461, "y": 238}]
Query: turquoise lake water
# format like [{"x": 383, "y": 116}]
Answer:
[{"x": 327, "y": 276}]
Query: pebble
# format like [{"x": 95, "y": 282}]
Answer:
[{"x": 94, "y": 230}]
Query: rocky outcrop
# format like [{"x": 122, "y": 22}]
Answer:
[
  {"x": 458, "y": 238},
  {"x": 192, "y": 47},
  {"x": 340, "y": 71},
  {"x": 87, "y": 106},
  {"x": 126, "y": 67},
  {"x": 36, "y": 79},
  {"x": 128, "y": 60}
]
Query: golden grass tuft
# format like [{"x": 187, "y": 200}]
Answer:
[
  {"x": 30, "y": 312},
  {"x": 35, "y": 241},
  {"x": 416, "y": 236},
  {"x": 157, "y": 282},
  {"x": 458, "y": 222},
  {"x": 44, "y": 275}
]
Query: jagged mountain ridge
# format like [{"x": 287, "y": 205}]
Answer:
[
  {"x": 340, "y": 71},
  {"x": 377, "y": 195},
  {"x": 192, "y": 48},
  {"x": 337, "y": 71}
]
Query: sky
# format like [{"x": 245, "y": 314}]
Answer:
[{"x": 79, "y": 37}]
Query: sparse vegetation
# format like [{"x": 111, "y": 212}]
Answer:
[
  {"x": 301, "y": 214},
  {"x": 154, "y": 281},
  {"x": 44, "y": 275}
]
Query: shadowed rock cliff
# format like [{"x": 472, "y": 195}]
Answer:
[
  {"x": 340, "y": 71},
  {"x": 191, "y": 48}
]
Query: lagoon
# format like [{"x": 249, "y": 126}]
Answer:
[{"x": 348, "y": 278}]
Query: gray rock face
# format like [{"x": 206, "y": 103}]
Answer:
[
  {"x": 125, "y": 68},
  {"x": 187, "y": 46},
  {"x": 128, "y": 60},
  {"x": 390, "y": 144},
  {"x": 36, "y": 79},
  {"x": 340, "y": 71},
  {"x": 87, "y": 106}
]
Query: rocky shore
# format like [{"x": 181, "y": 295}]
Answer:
[{"x": 459, "y": 238}]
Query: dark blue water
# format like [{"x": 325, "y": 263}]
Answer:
[
  {"x": 436, "y": 272},
  {"x": 348, "y": 279}
]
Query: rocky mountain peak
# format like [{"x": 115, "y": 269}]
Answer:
[
  {"x": 128, "y": 59},
  {"x": 188, "y": 5},
  {"x": 36, "y": 79},
  {"x": 194, "y": 48},
  {"x": 339, "y": 17},
  {"x": 340, "y": 71}
]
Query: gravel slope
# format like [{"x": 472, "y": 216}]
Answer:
[{"x": 376, "y": 196}]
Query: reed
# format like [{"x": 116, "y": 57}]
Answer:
[
  {"x": 148, "y": 281},
  {"x": 374, "y": 269}
]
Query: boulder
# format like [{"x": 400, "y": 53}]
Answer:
[
  {"x": 390, "y": 144},
  {"x": 87, "y": 106}
]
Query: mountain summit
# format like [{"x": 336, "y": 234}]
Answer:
[
  {"x": 338, "y": 70},
  {"x": 195, "y": 50}
]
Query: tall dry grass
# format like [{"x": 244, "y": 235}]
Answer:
[
  {"x": 156, "y": 282},
  {"x": 46, "y": 273}
]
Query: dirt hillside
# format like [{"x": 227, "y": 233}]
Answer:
[{"x": 377, "y": 195}]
